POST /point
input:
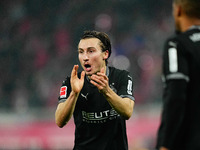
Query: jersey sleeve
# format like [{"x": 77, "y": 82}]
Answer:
[
  {"x": 175, "y": 72},
  {"x": 126, "y": 85},
  {"x": 64, "y": 90},
  {"x": 175, "y": 62}
]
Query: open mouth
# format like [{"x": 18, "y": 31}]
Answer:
[{"x": 87, "y": 67}]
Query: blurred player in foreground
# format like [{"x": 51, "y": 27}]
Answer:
[
  {"x": 180, "y": 125},
  {"x": 99, "y": 98}
]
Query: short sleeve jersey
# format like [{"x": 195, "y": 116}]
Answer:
[
  {"x": 97, "y": 125},
  {"x": 181, "y": 71}
]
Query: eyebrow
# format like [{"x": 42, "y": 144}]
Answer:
[
  {"x": 80, "y": 49},
  {"x": 88, "y": 48}
]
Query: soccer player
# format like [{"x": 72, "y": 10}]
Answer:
[
  {"x": 100, "y": 98},
  {"x": 180, "y": 125}
]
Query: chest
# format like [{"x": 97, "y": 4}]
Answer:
[{"x": 91, "y": 99}]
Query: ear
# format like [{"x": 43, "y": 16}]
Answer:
[
  {"x": 106, "y": 54},
  {"x": 179, "y": 11}
]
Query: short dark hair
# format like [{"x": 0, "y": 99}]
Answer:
[
  {"x": 190, "y": 7},
  {"x": 105, "y": 43}
]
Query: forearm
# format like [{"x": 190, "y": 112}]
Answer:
[
  {"x": 65, "y": 110},
  {"x": 124, "y": 106}
]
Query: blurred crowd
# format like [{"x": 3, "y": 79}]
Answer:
[{"x": 38, "y": 45}]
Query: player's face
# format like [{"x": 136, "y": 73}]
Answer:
[{"x": 90, "y": 55}]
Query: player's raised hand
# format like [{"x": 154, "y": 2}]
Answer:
[
  {"x": 100, "y": 80},
  {"x": 76, "y": 83}
]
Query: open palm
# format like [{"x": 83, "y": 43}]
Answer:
[{"x": 76, "y": 83}]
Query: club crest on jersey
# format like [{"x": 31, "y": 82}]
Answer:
[{"x": 63, "y": 92}]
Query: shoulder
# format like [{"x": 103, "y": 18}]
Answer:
[
  {"x": 190, "y": 36},
  {"x": 119, "y": 74},
  {"x": 173, "y": 40},
  {"x": 115, "y": 71},
  {"x": 175, "y": 43},
  {"x": 186, "y": 43},
  {"x": 67, "y": 79}
]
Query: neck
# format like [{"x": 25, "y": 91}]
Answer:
[{"x": 187, "y": 22}]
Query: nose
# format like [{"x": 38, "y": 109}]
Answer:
[{"x": 85, "y": 57}]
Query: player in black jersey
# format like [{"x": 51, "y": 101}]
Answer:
[
  {"x": 180, "y": 125},
  {"x": 99, "y": 98}
]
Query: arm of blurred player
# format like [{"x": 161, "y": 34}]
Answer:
[
  {"x": 65, "y": 110},
  {"x": 124, "y": 106}
]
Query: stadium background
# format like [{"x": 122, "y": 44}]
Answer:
[{"x": 38, "y": 47}]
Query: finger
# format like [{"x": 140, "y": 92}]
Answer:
[
  {"x": 103, "y": 75},
  {"x": 74, "y": 70},
  {"x": 82, "y": 75},
  {"x": 98, "y": 80},
  {"x": 96, "y": 84}
]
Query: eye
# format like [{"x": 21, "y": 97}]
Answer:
[
  {"x": 91, "y": 50},
  {"x": 80, "y": 52}
]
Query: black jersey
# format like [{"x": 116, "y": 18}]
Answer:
[
  {"x": 180, "y": 125},
  {"x": 97, "y": 125}
]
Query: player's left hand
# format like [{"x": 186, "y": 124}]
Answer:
[{"x": 100, "y": 80}]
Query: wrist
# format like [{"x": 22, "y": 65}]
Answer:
[
  {"x": 74, "y": 93},
  {"x": 108, "y": 92}
]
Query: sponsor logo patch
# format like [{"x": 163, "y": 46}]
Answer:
[
  {"x": 99, "y": 117},
  {"x": 63, "y": 92}
]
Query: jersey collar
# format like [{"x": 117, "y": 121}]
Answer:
[
  {"x": 194, "y": 27},
  {"x": 107, "y": 71}
]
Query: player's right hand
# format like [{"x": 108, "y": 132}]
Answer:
[{"x": 76, "y": 83}]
